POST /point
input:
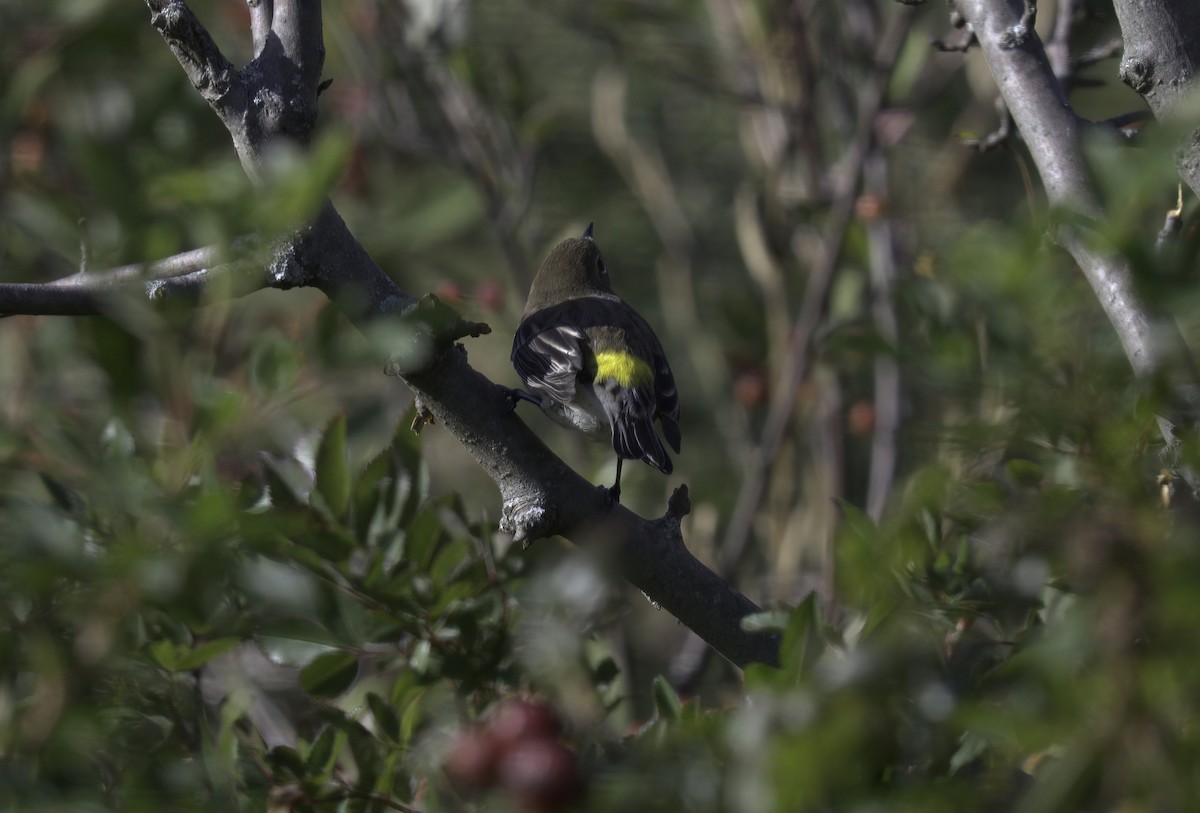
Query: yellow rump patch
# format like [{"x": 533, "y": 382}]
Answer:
[{"x": 625, "y": 368}]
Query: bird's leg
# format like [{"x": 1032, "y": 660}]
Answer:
[
  {"x": 514, "y": 395},
  {"x": 615, "y": 491}
]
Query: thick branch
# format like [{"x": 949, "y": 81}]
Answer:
[
  {"x": 1052, "y": 132},
  {"x": 1162, "y": 62},
  {"x": 541, "y": 494},
  {"x": 210, "y": 72},
  {"x": 261, "y": 12}
]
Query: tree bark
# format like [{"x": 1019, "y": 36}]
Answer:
[{"x": 1162, "y": 63}]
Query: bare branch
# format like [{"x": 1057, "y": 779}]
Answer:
[
  {"x": 1058, "y": 47},
  {"x": 1161, "y": 63},
  {"x": 1052, "y": 132},
  {"x": 996, "y": 137},
  {"x": 261, "y": 12},
  {"x": 210, "y": 72},
  {"x": 174, "y": 266},
  {"x": 1172, "y": 225},
  {"x": 297, "y": 24},
  {"x": 91, "y": 298},
  {"x": 882, "y": 266},
  {"x": 966, "y": 40},
  {"x": 1020, "y": 33},
  {"x": 541, "y": 494},
  {"x": 816, "y": 293},
  {"x": 1098, "y": 53}
]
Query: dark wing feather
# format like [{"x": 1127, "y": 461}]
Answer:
[{"x": 549, "y": 362}]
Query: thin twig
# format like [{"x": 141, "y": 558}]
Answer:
[
  {"x": 261, "y": 12},
  {"x": 820, "y": 278},
  {"x": 1099, "y": 53},
  {"x": 1058, "y": 46},
  {"x": 996, "y": 137},
  {"x": 90, "y": 297},
  {"x": 542, "y": 496},
  {"x": 964, "y": 44},
  {"x": 881, "y": 258},
  {"x": 1172, "y": 225}
]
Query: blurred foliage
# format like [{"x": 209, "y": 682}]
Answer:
[{"x": 232, "y": 578}]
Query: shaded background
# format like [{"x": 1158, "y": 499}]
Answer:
[{"x": 724, "y": 150}]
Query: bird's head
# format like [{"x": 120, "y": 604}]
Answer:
[{"x": 573, "y": 269}]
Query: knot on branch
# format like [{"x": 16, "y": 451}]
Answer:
[
  {"x": 1138, "y": 73},
  {"x": 1020, "y": 34},
  {"x": 424, "y": 331},
  {"x": 286, "y": 267},
  {"x": 527, "y": 518},
  {"x": 1015, "y": 37},
  {"x": 209, "y": 71},
  {"x": 680, "y": 504}
]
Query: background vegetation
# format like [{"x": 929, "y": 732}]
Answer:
[{"x": 231, "y": 577}]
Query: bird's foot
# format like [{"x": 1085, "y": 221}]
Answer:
[
  {"x": 614, "y": 494},
  {"x": 514, "y": 395}
]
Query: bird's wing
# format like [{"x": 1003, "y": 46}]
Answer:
[{"x": 549, "y": 360}]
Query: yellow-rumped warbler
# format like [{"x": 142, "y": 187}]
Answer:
[{"x": 591, "y": 362}]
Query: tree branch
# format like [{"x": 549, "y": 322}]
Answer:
[
  {"x": 812, "y": 308},
  {"x": 542, "y": 496},
  {"x": 1161, "y": 63},
  {"x": 1052, "y": 132},
  {"x": 210, "y": 73},
  {"x": 261, "y": 12},
  {"x": 94, "y": 294}
]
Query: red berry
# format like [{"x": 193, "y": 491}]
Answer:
[
  {"x": 449, "y": 291},
  {"x": 490, "y": 295},
  {"x": 518, "y": 720},
  {"x": 542, "y": 773},
  {"x": 471, "y": 760},
  {"x": 861, "y": 418},
  {"x": 750, "y": 389}
]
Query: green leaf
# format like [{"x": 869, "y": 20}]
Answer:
[
  {"x": 857, "y": 522},
  {"x": 368, "y": 495},
  {"x": 971, "y": 746},
  {"x": 281, "y": 757},
  {"x": 165, "y": 654},
  {"x": 421, "y": 540},
  {"x": 63, "y": 497},
  {"x": 329, "y": 674},
  {"x": 282, "y": 483},
  {"x": 331, "y": 544},
  {"x": 366, "y": 749},
  {"x": 322, "y": 749},
  {"x": 385, "y": 716},
  {"x": 333, "y": 474},
  {"x": 666, "y": 701},
  {"x": 802, "y": 642},
  {"x": 206, "y": 652}
]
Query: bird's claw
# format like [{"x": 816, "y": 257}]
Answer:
[{"x": 513, "y": 396}]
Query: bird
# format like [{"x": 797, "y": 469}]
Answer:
[{"x": 592, "y": 363}]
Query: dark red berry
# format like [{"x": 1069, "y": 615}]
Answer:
[
  {"x": 517, "y": 720},
  {"x": 542, "y": 773},
  {"x": 472, "y": 758}
]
